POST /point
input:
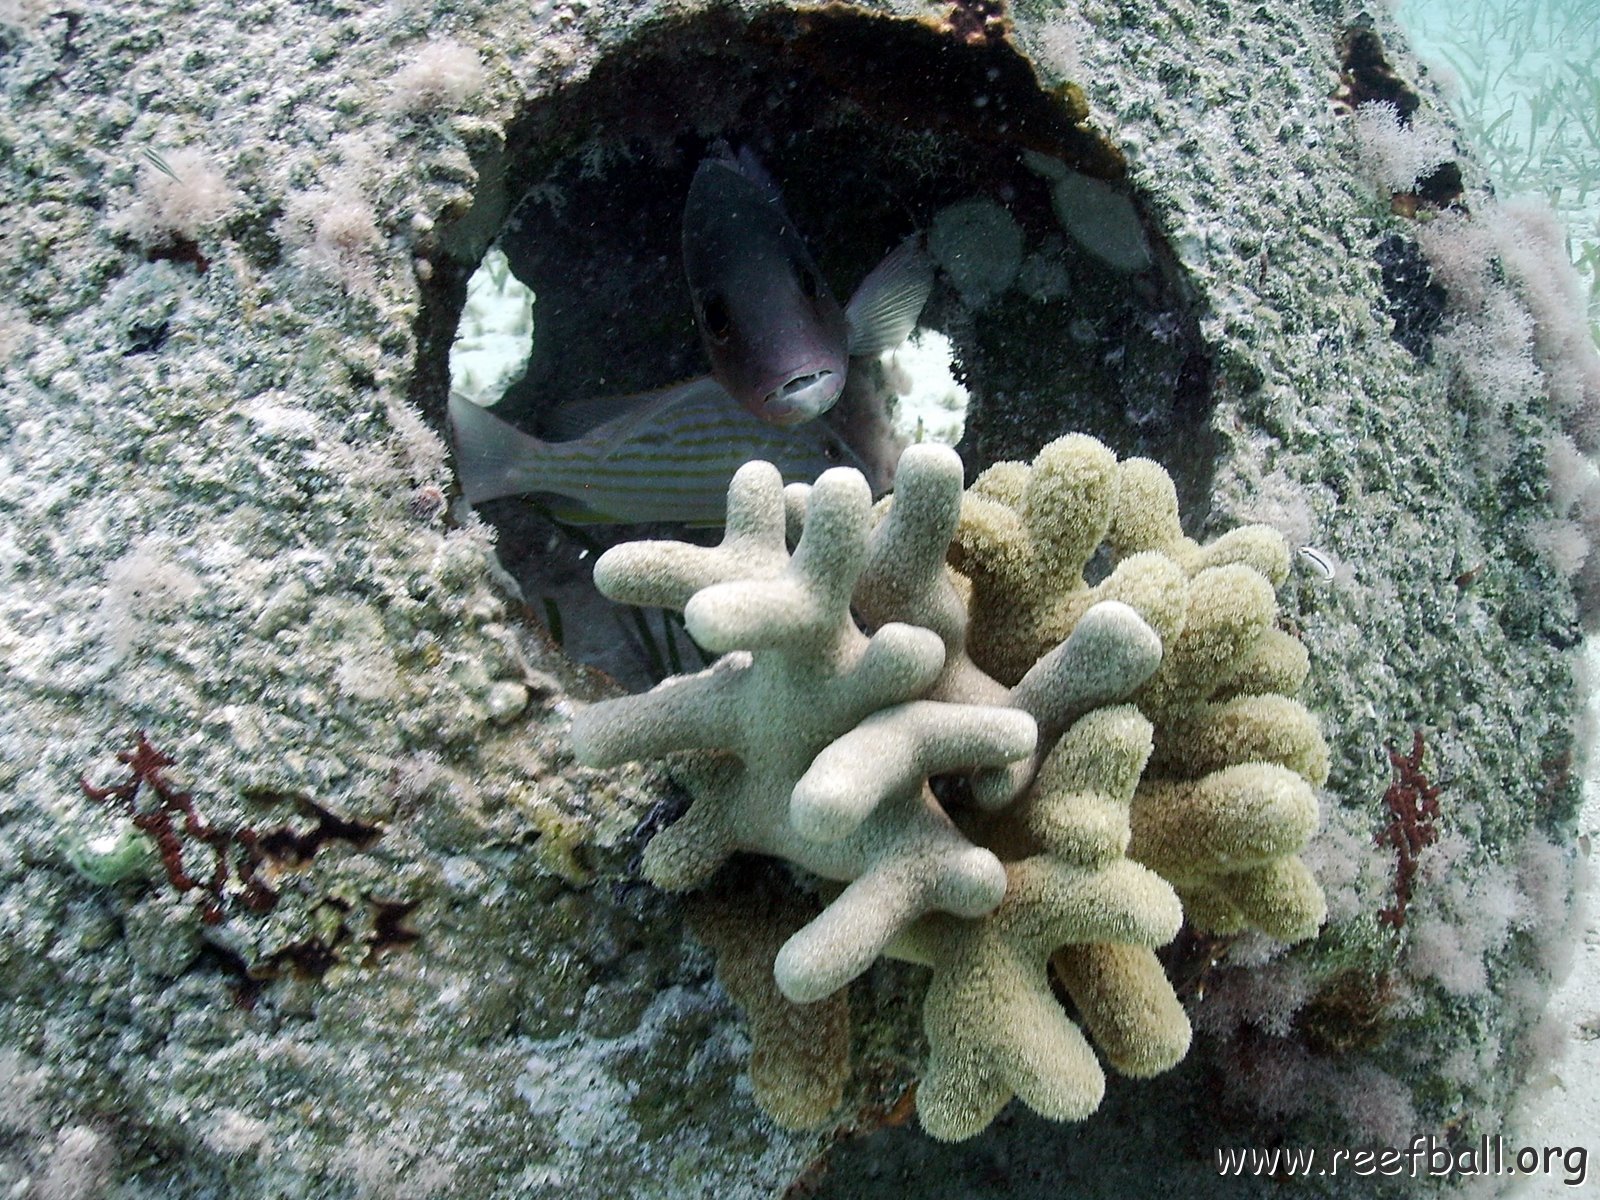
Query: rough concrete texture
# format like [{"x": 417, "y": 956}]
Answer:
[{"x": 227, "y": 525}]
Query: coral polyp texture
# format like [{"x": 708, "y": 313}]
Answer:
[
  {"x": 1104, "y": 756},
  {"x": 1229, "y": 797}
]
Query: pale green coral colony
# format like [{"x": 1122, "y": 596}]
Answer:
[{"x": 1112, "y": 758}]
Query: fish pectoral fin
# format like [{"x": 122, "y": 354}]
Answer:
[{"x": 885, "y": 308}]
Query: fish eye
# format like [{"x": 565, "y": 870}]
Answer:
[
  {"x": 715, "y": 318},
  {"x": 831, "y": 452},
  {"x": 810, "y": 285}
]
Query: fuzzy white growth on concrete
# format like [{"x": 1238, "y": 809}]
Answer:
[
  {"x": 1396, "y": 155},
  {"x": 79, "y": 1166},
  {"x": 336, "y": 233},
  {"x": 180, "y": 195},
  {"x": 142, "y": 586},
  {"x": 1058, "y": 45},
  {"x": 393, "y": 1168},
  {"x": 423, "y": 450},
  {"x": 236, "y": 1133},
  {"x": 444, "y": 75},
  {"x": 1563, "y": 544},
  {"x": 23, "y": 1086}
]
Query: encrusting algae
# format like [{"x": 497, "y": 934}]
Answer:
[{"x": 1111, "y": 759}]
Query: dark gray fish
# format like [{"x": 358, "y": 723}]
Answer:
[
  {"x": 667, "y": 457},
  {"x": 779, "y": 344},
  {"x": 777, "y": 339}
]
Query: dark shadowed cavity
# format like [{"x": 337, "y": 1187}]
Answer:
[{"x": 874, "y": 127}]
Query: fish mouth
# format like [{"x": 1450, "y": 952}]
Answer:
[{"x": 803, "y": 397}]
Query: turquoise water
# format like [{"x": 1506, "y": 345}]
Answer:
[{"x": 1523, "y": 77}]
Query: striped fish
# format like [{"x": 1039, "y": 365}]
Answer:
[{"x": 670, "y": 457}]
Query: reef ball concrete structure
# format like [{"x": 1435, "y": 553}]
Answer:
[{"x": 301, "y": 889}]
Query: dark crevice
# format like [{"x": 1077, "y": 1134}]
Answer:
[
  {"x": 871, "y": 124},
  {"x": 291, "y": 848},
  {"x": 1414, "y": 300}
]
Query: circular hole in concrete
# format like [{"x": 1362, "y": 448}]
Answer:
[{"x": 1060, "y": 310}]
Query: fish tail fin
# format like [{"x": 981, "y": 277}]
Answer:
[
  {"x": 493, "y": 457},
  {"x": 885, "y": 308}
]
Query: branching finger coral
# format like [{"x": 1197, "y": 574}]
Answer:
[
  {"x": 994, "y": 1026},
  {"x": 1105, "y": 750},
  {"x": 804, "y": 677},
  {"x": 1228, "y": 799}
]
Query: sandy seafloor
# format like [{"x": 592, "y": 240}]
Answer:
[{"x": 1561, "y": 1105}]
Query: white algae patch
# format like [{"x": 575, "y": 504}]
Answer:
[
  {"x": 142, "y": 586},
  {"x": 581, "y": 1103}
]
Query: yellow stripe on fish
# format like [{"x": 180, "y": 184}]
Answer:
[{"x": 671, "y": 459}]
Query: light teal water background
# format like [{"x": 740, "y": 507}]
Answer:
[{"x": 1523, "y": 78}]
